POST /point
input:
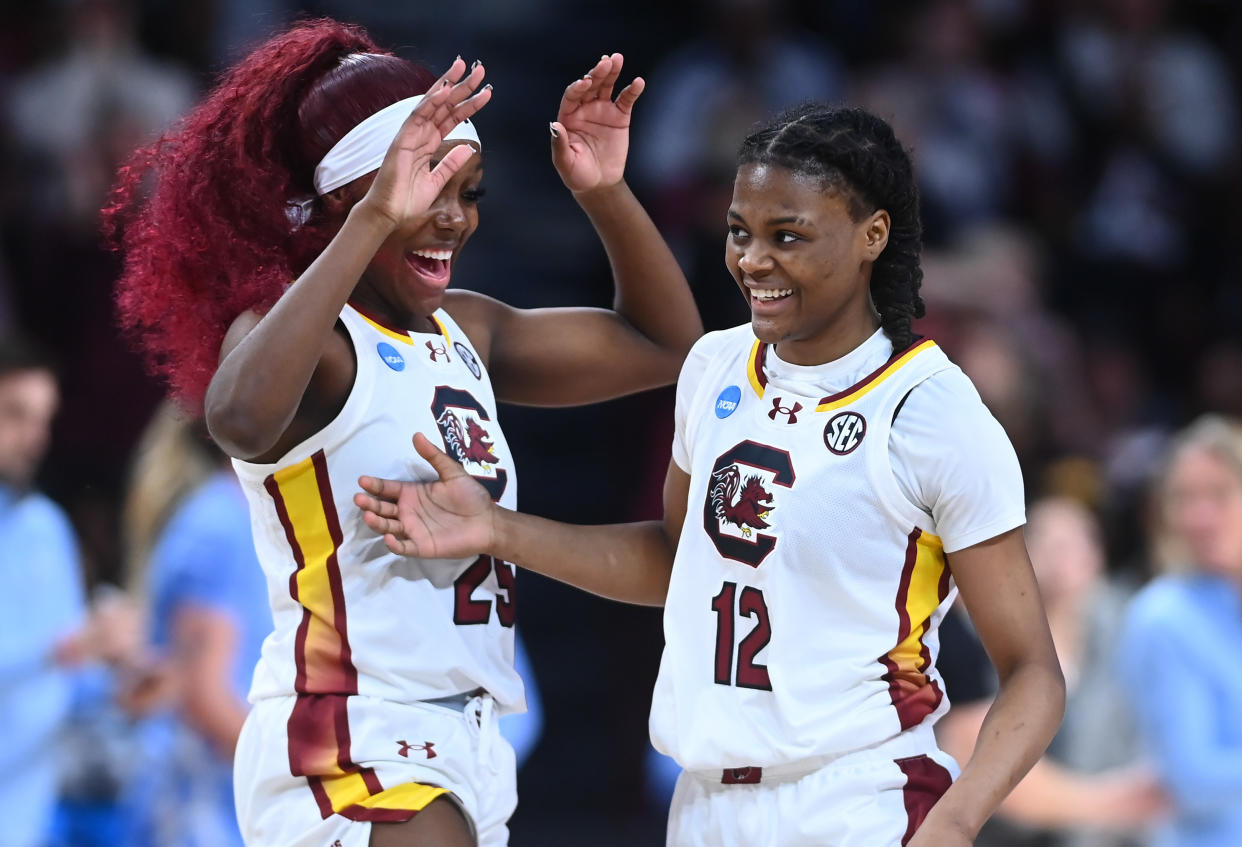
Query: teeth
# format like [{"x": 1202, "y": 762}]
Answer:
[
  {"x": 438, "y": 255},
  {"x": 770, "y": 293}
]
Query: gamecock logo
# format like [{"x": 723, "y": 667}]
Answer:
[
  {"x": 746, "y": 509},
  {"x": 738, "y": 500},
  {"x": 460, "y": 418}
]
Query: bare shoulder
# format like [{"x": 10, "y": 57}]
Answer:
[{"x": 478, "y": 315}]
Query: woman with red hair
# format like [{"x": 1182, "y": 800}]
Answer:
[{"x": 287, "y": 273}]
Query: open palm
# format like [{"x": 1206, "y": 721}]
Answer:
[
  {"x": 591, "y": 135},
  {"x": 406, "y": 184},
  {"x": 446, "y": 519}
]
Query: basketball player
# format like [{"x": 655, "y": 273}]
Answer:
[
  {"x": 835, "y": 480},
  {"x": 375, "y": 700}
]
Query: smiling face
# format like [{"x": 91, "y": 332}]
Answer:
[
  {"x": 803, "y": 262},
  {"x": 409, "y": 273}
]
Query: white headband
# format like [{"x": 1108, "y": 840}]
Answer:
[{"x": 362, "y": 149}]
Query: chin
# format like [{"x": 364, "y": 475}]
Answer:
[{"x": 767, "y": 331}]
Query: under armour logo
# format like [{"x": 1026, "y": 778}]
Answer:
[
  {"x": 426, "y": 746},
  {"x": 438, "y": 350},
  {"x": 778, "y": 409}
]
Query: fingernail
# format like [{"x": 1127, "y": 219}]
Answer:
[
  {"x": 475, "y": 65},
  {"x": 488, "y": 86},
  {"x": 444, "y": 84},
  {"x": 458, "y": 59},
  {"x": 552, "y": 129}
]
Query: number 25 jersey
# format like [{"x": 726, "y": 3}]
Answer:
[
  {"x": 807, "y": 587},
  {"x": 351, "y": 617}
]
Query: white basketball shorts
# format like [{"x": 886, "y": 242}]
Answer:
[{"x": 317, "y": 771}]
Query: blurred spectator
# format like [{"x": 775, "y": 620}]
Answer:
[
  {"x": 985, "y": 121},
  {"x": 1088, "y": 790},
  {"x": 705, "y": 96},
  {"x": 188, "y": 534},
  {"x": 74, "y": 117},
  {"x": 41, "y": 600},
  {"x": 1182, "y": 626}
]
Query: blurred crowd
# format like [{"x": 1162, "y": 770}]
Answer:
[{"x": 1079, "y": 167}]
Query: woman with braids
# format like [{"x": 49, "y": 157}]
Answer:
[
  {"x": 835, "y": 480},
  {"x": 288, "y": 274}
]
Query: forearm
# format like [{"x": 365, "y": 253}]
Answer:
[
  {"x": 260, "y": 382},
  {"x": 626, "y": 562},
  {"x": 216, "y": 714},
  {"x": 651, "y": 291},
  {"x": 1018, "y": 728}
]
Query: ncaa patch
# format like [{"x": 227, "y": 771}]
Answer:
[
  {"x": 726, "y": 402},
  {"x": 844, "y": 432},
  {"x": 390, "y": 356}
]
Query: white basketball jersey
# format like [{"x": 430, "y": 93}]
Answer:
[
  {"x": 350, "y": 616},
  {"x": 806, "y": 591}
]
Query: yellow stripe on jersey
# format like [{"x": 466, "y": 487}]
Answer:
[
  {"x": 324, "y": 662},
  {"x": 753, "y": 366},
  {"x": 923, "y": 596},
  {"x": 403, "y": 337},
  {"x": 849, "y": 396},
  {"x": 924, "y": 585},
  {"x": 443, "y": 329}
]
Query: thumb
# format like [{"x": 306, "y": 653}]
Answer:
[
  {"x": 560, "y": 141},
  {"x": 452, "y": 162},
  {"x": 437, "y": 458}
]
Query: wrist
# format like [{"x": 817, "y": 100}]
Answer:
[
  {"x": 365, "y": 220},
  {"x": 602, "y": 194},
  {"x": 499, "y": 531},
  {"x": 947, "y": 815}
]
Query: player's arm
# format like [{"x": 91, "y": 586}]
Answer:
[
  {"x": 456, "y": 517},
  {"x": 1054, "y": 796},
  {"x": 560, "y": 357},
  {"x": 271, "y": 363},
  {"x": 998, "y": 586}
]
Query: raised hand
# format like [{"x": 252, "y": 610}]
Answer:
[
  {"x": 446, "y": 519},
  {"x": 591, "y": 133},
  {"x": 406, "y": 184}
]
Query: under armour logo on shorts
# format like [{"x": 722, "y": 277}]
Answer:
[{"x": 425, "y": 747}]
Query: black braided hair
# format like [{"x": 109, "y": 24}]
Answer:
[{"x": 856, "y": 153}]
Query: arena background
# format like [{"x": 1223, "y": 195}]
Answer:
[{"x": 1080, "y": 171}]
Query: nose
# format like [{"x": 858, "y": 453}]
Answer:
[
  {"x": 449, "y": 214},
  {"x": 755, "y": 261}
]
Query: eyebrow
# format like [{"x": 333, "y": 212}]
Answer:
[{"x": 787, "y": 219}]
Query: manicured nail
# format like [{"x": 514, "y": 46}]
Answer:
[
  {"x": 552, "y": 129},
  {"x": 458, "y": 59},
  {"x": 475, "y": 65}
]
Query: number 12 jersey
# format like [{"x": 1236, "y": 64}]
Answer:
[{"x": 811, "y": 574}]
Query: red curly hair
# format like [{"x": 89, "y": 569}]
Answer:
[{"x": 203, "y": 215}]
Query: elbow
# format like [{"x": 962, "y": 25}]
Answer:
[{"x": 237, "y": 429}]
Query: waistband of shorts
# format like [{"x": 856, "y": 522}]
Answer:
[
  {"x": 916, "y": 741},
  {"x": 455, "y": 702}
]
